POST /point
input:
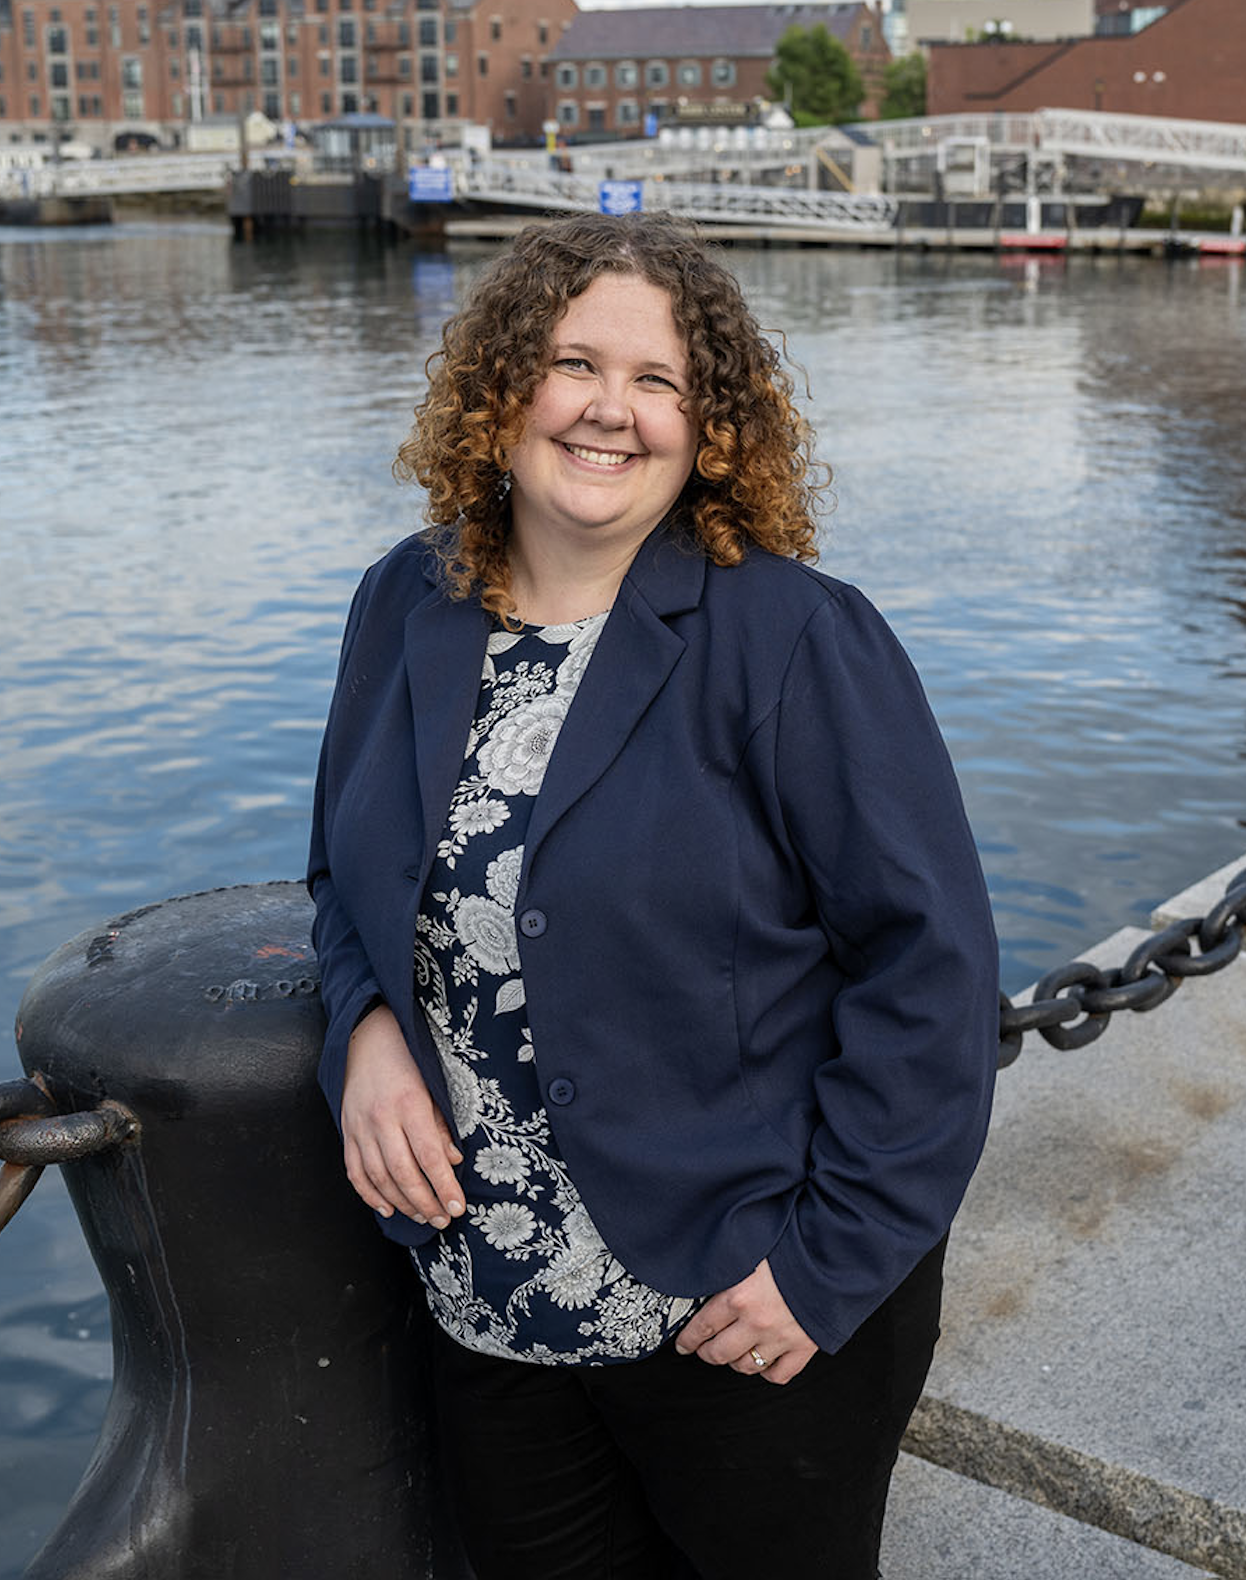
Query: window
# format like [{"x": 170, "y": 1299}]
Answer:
[
  {"x": 431, "y": 107},
  {"x": 350, "y": 103},
  {"x": 194, "y": 37},
  {"x": 408, "y": 104},
  {"x": 28, "y": 29},
  {"x": 322, "y": 5},
  {"x": 568, "y": 112},
  {"x": 626, "y": 74},
  {"x": 174, "y": 69},
  {"x": 345, "y": 34},
  {"x": 92, "y": 35},
  {"x": 452, "y": 104},
  {"x": 626, "y": 112},
  {"x": 689, "y": 74},
  {"x": 292, "y": 65},
  {"x": 270, "y": 35},
  {"x": 192, "y": 7},
  {"x": 428, "y": 68},
  {"x": 58, "y": 74},
  {"x": 722, "y": 73},
  {"x": 114, "y": 27},
  {"x": 268, "y": 7},
  {"x": 272, "y": 106},
  {"x": 567, "y": 77},
  {"x": 404, "y": 34},
  {"x": 596, "y": 117},
  {"x": 269, "y": 73},
  {"x": 428, "y": 32},
  {"x": 326, "y": 69},
  {"x": 58, "y": 41},
  {"x": 542, "y": 32},
  {"x": 348, "y": 68},
  {"x": 495, "y": 28},
  {"x": 326, "y": 104},
  {"x": 132, "y": 106},
  {"x": 173, "y": 40},
  {"x": 482, "y": 64},
  {"x": 60, "y": 106},
  {"x": 450, "y": 31},
  {"x": 131, "y": 72},
  {"x": 296, "y": 104},
  {"x": 525, "y": 65},
  {"x": 452, "y": 65},
  {"x": 369, "y": 33},
  {"x": 657, "y": 74},
  {"x": 322, "y": 33},
  {"x": 218, "y": 102},
  {"x": 595, "y": 75},
  {"x": 404, "y": 67},
  {"x": 292, "y": 35},
  {"x": 144, "y": 31},
  {"x": 866, "y": 36},
  {"x": 32, "y": 71},
  {"x": 34, "y": 106}
]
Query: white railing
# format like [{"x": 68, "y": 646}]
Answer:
[
  {"x": 1203, "y": 145},
  {"x": 713, "y": 201},
  {"x": 116, "y": 177},
  {"x": 1140, "y": 139}
]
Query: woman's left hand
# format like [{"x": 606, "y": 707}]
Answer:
[{"x": 748, "y": 1320}]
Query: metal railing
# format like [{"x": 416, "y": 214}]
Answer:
[
  {"x": 115, "y": 177},
  {"x": 711, "y": 200}
]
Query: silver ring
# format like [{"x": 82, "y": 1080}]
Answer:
[{"x": 759, "y": 1360}]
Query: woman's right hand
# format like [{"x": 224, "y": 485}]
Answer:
[{"x": 399, "y": 1151}]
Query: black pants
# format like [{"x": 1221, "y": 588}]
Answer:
[{"x": 671, "y": 1469}]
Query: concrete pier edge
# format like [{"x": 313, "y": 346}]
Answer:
[{"x": 1095, "y": 1281}]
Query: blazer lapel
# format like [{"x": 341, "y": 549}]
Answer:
[
  {"x": 634, "y": 656},
  {"x": 445, "y": 649}
]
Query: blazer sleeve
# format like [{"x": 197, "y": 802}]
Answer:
[
  {"x": 872, "y": 806},
  {"x": 347, "y": 982}
]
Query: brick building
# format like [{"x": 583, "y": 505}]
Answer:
[
  {"x": 99, "y": 69},
  {"x": 1188, "y": 63},
  {"x": 611, "y": 69}
]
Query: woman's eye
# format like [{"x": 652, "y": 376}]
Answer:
[
  {"x": 572, "y": 364},
  {"x": 656, "y": 378}
]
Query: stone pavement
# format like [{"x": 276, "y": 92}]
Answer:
[{"x": 1087, "y": 1403}]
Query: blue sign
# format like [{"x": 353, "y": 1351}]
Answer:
[
  {"x": 430, "y": 184},
  {"x": 620, "y": 197},
  {"x": 651, "y": 123}
]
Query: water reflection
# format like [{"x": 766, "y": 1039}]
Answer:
[{"x": 1039, "y": 478}]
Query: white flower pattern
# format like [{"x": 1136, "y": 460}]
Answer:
[{"x": 525, "y": 1274}]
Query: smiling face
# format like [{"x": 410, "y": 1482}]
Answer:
[{"x": 607, "y": 445}]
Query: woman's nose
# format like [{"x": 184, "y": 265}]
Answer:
[{"x": 609, "y": 407}]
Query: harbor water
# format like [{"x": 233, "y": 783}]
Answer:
[{"x": 1039, "y": 477}]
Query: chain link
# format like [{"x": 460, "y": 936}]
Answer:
[{"x": 1074, "y": 1004}]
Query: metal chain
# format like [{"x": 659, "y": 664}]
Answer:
[{"x": 1073, "y": 1004}]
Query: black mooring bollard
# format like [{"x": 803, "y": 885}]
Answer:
[{"x": 268, "y": 1416}]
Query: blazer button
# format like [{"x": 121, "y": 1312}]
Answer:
[
  {"x": 532, "y": 924},
  {"x": 561, "y": 1091}
]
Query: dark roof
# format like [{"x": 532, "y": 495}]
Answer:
[{"x": 666, "y": 32}]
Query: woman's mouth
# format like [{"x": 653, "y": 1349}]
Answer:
[{"x": 598, "y": 457}]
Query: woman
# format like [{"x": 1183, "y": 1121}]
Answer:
[{"x": 659, "y": 970}]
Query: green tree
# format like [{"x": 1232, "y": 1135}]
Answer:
[
  {"x": 815, "y": 76},
  {"x": 904, "y": 89}
]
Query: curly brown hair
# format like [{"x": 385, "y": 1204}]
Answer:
[{"x": 754, "y": 479}]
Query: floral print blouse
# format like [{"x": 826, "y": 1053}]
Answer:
[{"x": 524, "y": 1273}]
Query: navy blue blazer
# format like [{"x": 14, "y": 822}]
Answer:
[{"x": 760, "y": 965}]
